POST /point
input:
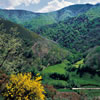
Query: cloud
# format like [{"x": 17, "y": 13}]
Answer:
[
  {"x": 16, "y": 3},
  {"x": 90, "y": 1},
  {"x": 55, "y": 5},
  {"x": 45, "y": 6},
  {"x": 79, "y": 1}
]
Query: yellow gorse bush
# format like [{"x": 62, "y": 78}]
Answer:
[{"x": 24, "y": 87}]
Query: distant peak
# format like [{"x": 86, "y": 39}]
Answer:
[{"x": 98, "y": 4}]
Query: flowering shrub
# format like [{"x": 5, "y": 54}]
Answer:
[{"x": 24, "y": 87}]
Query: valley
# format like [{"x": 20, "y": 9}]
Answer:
[{"x": 62, "y": 46}]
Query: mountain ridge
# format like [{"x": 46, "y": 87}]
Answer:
[{"x": 32, "y": 20}]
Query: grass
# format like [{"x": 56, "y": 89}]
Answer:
[
  {"x": 90, "y": 93},
  {"x": 59, "y": 68},
  {"x": 79, "y": 63},
  {"x": 57, "y": 82},
  {"x": 65, "y": 90},
  {"x": 86, "y": 79}
]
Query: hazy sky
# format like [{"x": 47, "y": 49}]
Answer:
[{"x": 41, "y": 5}]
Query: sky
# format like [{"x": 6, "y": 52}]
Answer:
[{"x": 42, "y": 6}]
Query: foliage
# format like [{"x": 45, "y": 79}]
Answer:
[
  {"x": 10, "y": 56},
  {"x": 92, "y": 59},
  {"x": 79, "y": 63},
  {"x": 34, "y": 21},
  {"x": 26, "y": 35},
  {"x": 76, "y": 28},
  {"x": 94, "y": 12},
  {"x": 58, "y": 68},
  {"x": 33, "y": 50},
  {"x": 76, "y": 33},
  {"x": 59, "y": 76},
  {"x": 24, "y": 87}
]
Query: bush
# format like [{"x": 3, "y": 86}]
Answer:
[
  {"x": 73, "y": 84},
  {"x": 24, "y": 87},
  {"x": 59, "y": 76}
]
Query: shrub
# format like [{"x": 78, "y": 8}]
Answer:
[
  {"x": 73, "y": 83},
  {"x": 59, "y": 76},
  {"x": 24, "y": 87}
]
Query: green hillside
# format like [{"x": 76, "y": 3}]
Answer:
[
  {"x": 23, "y": 33},
  {"x": 79, "y": 33},
  {"x": 38, "y": 51},
  {"x": 63, "y": 46},
  {"x": 93, "y": 12},
  {"x": 34, "y": 21},
  {"x": 92, "y": 59}
]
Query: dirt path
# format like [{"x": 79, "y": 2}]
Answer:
[{"x": 67, "y": 96}]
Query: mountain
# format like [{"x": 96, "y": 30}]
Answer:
[
  {"x": 72, "y": 11},
  {"x": 69, "y": 26},
  {"x": 25, "y": 34},
  {"x": 79, "y": 33},
  {"x": 34, "y": 21},
  {"x": 94, "y": 12},
  {"x": 64, "y": 47},
  {"x": 38, "y": 52},
  {"x": 72, "y": 27}
]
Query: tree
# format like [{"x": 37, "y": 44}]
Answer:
[
  {"x": 24, "y": 87},
  {"x": 11, "y": 56}
]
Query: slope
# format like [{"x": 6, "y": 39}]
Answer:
[
  {"x": 79, "y": 33},
  {"x": 33, "y": 20},
  {"x": 94, "y": 12},
  {"x": 37, "y": 51}
]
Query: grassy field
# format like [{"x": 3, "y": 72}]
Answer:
[
  {"x": 87, "y": 80},
  {"x": 59, "y": 68}
]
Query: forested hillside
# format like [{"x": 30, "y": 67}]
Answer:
[
  {"x": 34, "y": 21},
  {"x": 43, "y": 56},
  {"x": 34, "y": 50},
  {"x": 79, "y": 33}
]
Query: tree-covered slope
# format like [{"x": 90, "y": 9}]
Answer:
[
  {"x": 35, "y": 20},
  {"x": 79, "y": 33},
  {"x": 34, "y": 51},
  {"x": 92, "y": 60},
  {"x": 72, "y": 11},
  {"x": 94, "y": 12},
  {"x": 23, "y": 33},
  {"x": 27, "y": 18}
]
